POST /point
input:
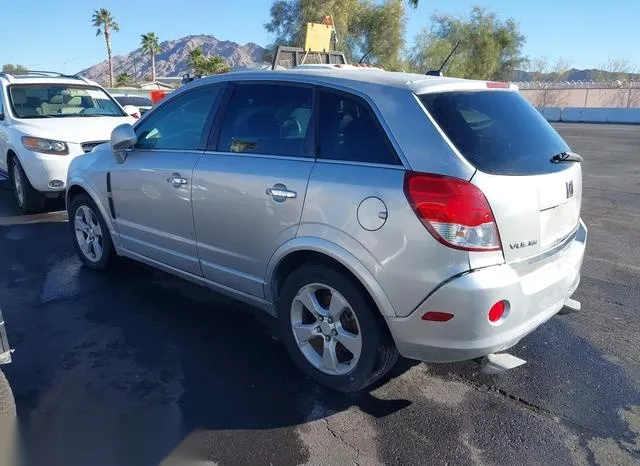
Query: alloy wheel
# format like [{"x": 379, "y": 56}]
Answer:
[
  {"x": 88, "y": 233},
  {"x": 326, "y": 329}
]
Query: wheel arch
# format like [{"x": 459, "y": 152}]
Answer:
[
  {"x": 309, "y": 249},
  {"x": 13, "y": 153},
  {"x": 77, "y": 186},
  {"x": 7, "y": 158}
]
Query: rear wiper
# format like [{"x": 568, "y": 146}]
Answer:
[{"x": 566, "y": 157}]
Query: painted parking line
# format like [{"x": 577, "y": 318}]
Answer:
[{"x": 48, "y": 217}]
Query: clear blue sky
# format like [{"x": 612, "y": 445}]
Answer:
[{"x": 57, "y": 35}]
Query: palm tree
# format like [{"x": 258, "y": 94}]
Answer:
[
  {"x": 103, "y": 20},
  {"x": 150, "y": 44},
  {"x": 124, "y": 80}
]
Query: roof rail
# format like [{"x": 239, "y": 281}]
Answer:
[
  {"x": 4, "y": 74},
  {"x": 38, "y": 72},
  {"x": 82, "y": 78},
  {"x": 55, "y": 74}
]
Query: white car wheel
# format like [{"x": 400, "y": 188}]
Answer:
[{"x": 18, "y": 184}]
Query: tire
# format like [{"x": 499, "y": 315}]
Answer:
[
  {"x": 358, "y": 318},
  {"x": 7, "y": 403},
  {"x": 30, "y": 201},
  {"x": 99, "y": 254}
]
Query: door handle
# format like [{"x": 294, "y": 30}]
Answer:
[
  {"x": 280, "y": 193},
  {"x": 176, "y": 180}
]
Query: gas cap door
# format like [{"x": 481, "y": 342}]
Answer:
[{"x": 372, "y": 213}]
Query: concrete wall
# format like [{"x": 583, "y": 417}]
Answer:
[
  {"x": 592, "y": 115},
  {"x": 589, "y": 98}
]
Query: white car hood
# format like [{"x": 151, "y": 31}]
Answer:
[{"x": 72, "y": 129}]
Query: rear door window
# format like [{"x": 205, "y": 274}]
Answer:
[
  {"x": 498, "y": 132},
  {"x": 349, "y": 131},
  {"x": 269, "y": 119}
]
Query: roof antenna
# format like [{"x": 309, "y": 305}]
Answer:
[{"x": 444, "y": 63}]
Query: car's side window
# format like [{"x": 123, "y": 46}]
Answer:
[
  {"x": 349, "y": 131},
  {"x": 270, "y": 119},
  {"x": 179, "y": 124},
  {"x": 1, "y": 103}
]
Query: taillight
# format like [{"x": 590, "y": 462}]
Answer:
[
  {"x": 454, "y": 211},
  {"x": 135, "y": 115}
]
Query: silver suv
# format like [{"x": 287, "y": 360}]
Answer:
[{"x": 373, "y": 213}]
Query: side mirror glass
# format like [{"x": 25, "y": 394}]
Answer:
[{"x": 122, "y": 138}]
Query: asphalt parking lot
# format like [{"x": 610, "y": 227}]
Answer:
[{"x": 140, "y": 368}]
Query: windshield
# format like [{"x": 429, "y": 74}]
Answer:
[
  {"x": 61, "y": 100},
  {"x": 133, "y": 100},
  {"x": 498, "y": 132}
]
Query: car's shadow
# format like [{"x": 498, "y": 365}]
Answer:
[{"x": 155, "y": 343}]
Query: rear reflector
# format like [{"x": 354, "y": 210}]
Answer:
[
  {"x": 454, "y": 211},
  {"x": 497, "y": 311},
  {"x": 436, "y": 316}
]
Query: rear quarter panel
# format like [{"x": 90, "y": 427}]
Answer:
[{"x": 405, "y": 260}]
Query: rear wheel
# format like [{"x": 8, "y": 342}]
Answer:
[
  {"x": 29, "y": 200},
  {"x": 331, "y": 330},
  {"x": 90, "y": 233}
]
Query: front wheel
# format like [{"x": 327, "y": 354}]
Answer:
[
  {"x": 30, "y": 201},
  {"x": 90, "y": 233},
  {"x": 332, "y": 332}
]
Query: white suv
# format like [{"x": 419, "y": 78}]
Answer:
[{"x": 47, "y": 119}]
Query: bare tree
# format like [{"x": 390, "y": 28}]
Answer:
[
  {"x": 616, "y": 69},
  {"x": 543, "y": 69},
  {"x": 561, "y": 68}
]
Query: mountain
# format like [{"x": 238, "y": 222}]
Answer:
[
  {"x": 572, "y": 75},
  {"x": 172, "y": 60}
]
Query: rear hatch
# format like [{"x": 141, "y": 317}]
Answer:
[{"x": 535, "y": 200}]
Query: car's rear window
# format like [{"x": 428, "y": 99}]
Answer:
[{"x": 498, "y": 132}]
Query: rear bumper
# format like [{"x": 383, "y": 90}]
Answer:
[{"x": 535, "y": 291}]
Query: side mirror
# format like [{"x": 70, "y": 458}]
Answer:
[
  {"x": 122, "y": 138},
  {"x": 132, "y": 111}
]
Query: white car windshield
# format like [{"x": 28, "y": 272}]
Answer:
[{"x": 61, "y": 100}]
